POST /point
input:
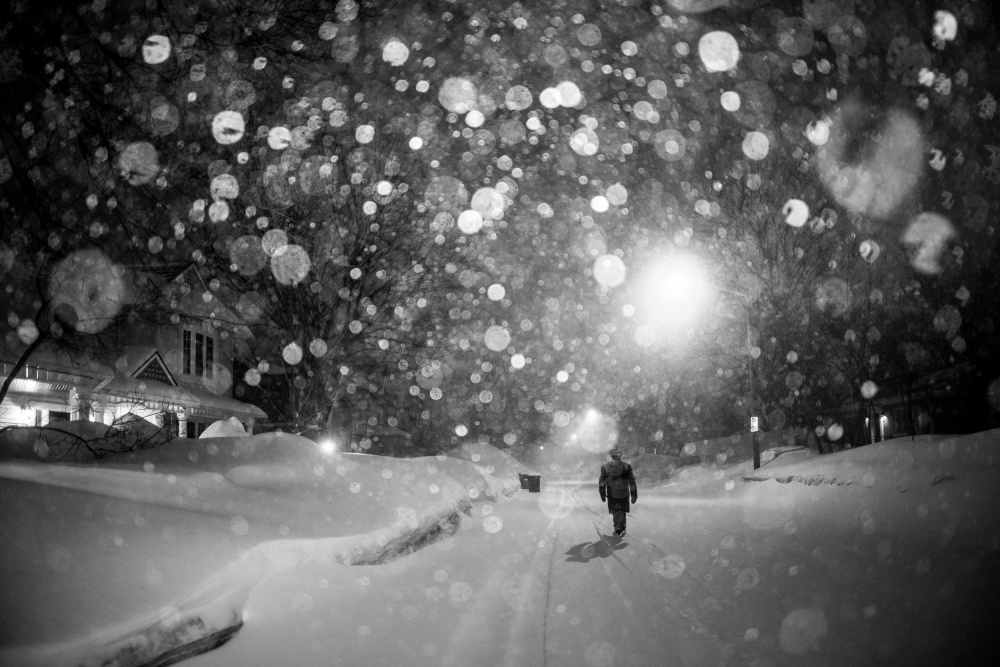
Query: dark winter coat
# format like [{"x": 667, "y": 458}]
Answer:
[{"x": 607, "y": 472}]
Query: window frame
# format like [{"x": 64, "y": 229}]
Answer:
[
  {"x": 210, "y": 357},
  {"x": 198, "y": 353},
  {"x": 186, "y": 352}
]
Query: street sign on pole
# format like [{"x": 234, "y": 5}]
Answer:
[{"x": 753, "y": 425}]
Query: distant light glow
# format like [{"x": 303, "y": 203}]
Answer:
[
  {"x": 673, "y": 290},
  {"x": 328, "y": 446}
]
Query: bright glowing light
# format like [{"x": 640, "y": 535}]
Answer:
[
  {"x": 328, "y": 446},
  {"x": 673, "y": 290}
]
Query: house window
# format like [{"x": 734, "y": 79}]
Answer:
[
  {"x": 209, "y": 356},
  {"x": 199, "y": 354},
  {"x": 198, "y": 359},
  {"x": 171, "y": 424},
  {"x": 187, "y": 352}
]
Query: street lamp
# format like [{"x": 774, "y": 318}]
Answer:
[
  {"x": 745, "y": 300},
  {"x": 681, "y": 283}
]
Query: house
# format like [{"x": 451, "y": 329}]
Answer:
[
  {"x": 174, "y": 368},
  {"x": 935, "y": 401}
]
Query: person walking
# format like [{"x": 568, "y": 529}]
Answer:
[{"x": 617, "y": 486}]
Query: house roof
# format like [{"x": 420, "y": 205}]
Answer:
[
  {"x": 136, "y": 358},
  {"x": 183, "y": 289},
  {"x": 51, "y": 370},
  {"x": 50, "y": 363},
  {"x": 129, "y": 383},
  {"x": 194, "y": 401},
  {"x": 209, "y": 404}
]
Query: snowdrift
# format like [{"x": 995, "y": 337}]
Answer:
[
  {"x": 497, "y": 462},
  {"x": 573, "y": 462},
  {"x": 60, "y": 441},
  {"x": 478, "y": 481},
  {"x": 899, "y": 462},
  {"x": 224, "y": 428},
  {"x": 149, "y": 556},
  {"x": 77, "y": 441},
  {"x": 712, "y": 477},
  {"x": 652, "y": 468},
  {"x": 737, "y": 447}
]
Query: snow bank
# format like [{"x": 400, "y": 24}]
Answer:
[
  {"x": 652, "y": 468},
  {"x": 65, "y": 441},
  {"x": 738, "y": 446},
  {"x": 497, "y": 462},
  {"x": 87, "y": 430},
  {"x": 42, "y": 443},
  {"x": 224, "y": 428},
  {"x": 478, "y": 481},
  {"x": 78, "y": 441},
  {"x": 711, "y": 477},
  {"x": 573, "y": 462},
  {"x": 152, "y": 555},
  {"x": 903, "y": 461}
]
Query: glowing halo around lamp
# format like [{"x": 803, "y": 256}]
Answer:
[{"x": 673, "y": 290}]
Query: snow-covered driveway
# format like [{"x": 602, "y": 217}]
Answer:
[{"x": 767, "y": 574}]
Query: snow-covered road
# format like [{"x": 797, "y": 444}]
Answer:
[{"x": 769, "y": 574}]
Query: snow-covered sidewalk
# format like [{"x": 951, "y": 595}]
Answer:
[
  {"x": 149, "y": 553},
  {"x": 294, "y": 554}
]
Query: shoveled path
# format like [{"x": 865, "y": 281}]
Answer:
[{"x": 767, "y": 575}]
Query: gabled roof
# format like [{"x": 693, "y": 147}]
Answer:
[
  {"x": 182, "y": 289},
  {"x": 155, "y": 369}
]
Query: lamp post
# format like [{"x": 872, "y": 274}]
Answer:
[
  {"x": 679, "y": 282},
  {"x": 745, "y": 301}
]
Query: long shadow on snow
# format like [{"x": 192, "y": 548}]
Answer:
[{"x": 585, "y": 551}]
